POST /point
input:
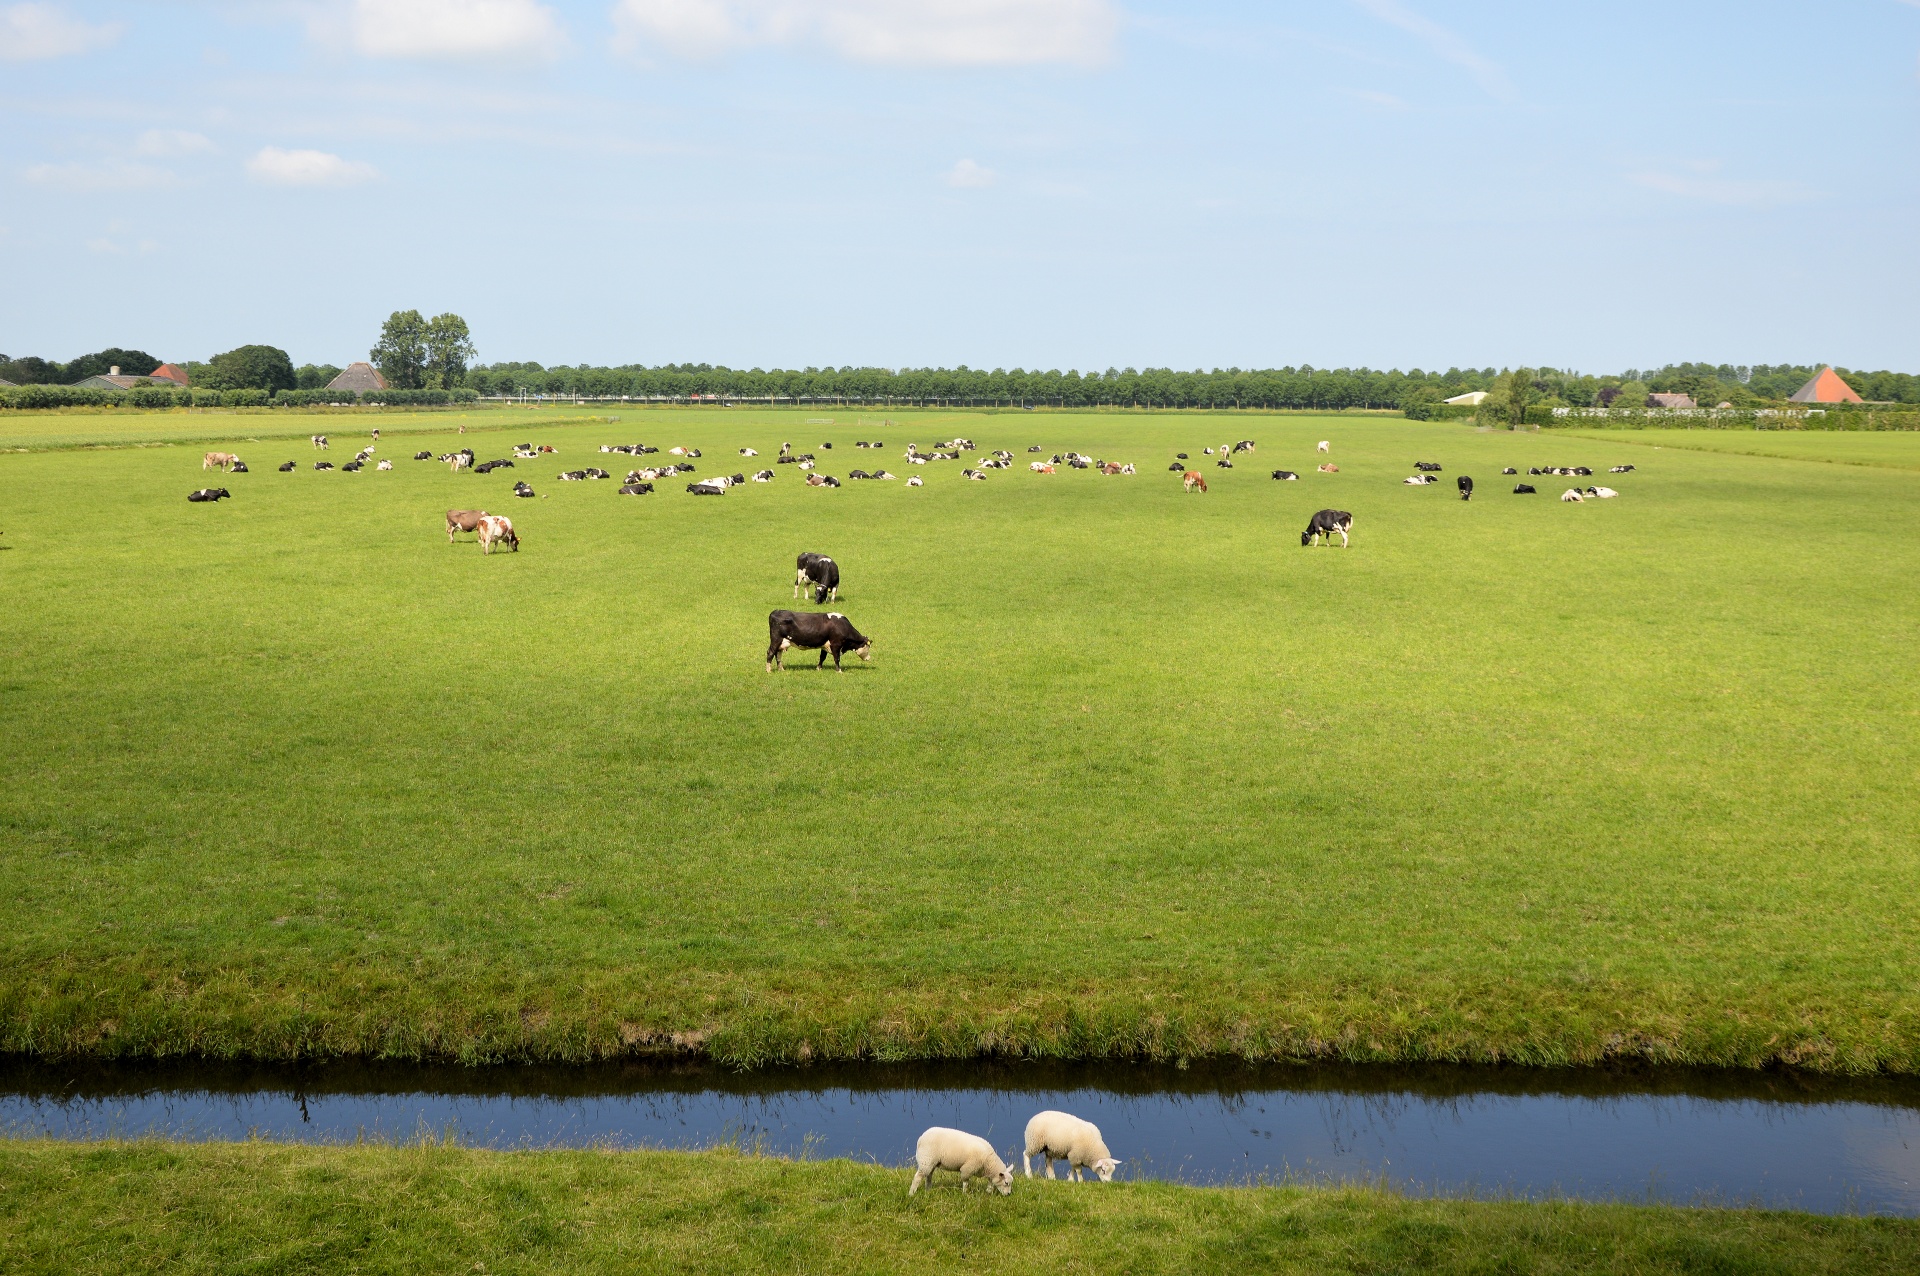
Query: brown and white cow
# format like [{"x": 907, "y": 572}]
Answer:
[
  {"x": 463, "y": 521},
  {"x": 218, "y": 461},
  {"x": 494, "y": 530},
  {"x": 1194, "y": 481}
]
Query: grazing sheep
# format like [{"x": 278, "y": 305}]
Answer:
[
  {"x": 1061, "y": 1136},
  {"x": 969, "y": 1155}
]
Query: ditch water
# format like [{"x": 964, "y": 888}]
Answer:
[{"x": 1830, "y": 1145}]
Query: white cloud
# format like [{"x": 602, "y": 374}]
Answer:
[
  {"x": 307, "y": 168},
  {"x": 110, "y": 175},
  {"x": 968, "y": 175},
  {"x": 1445, "y": 44},
  {"x": 456, "y": 29},
  {"x": 1700, "y": 185},
  {"x": 30, "y": 32},
  {"x": 165, "y": 142},
  {"x": 889, "y": 32}
]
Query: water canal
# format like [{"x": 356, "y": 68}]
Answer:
[{"x": 1826, "y": 1144}]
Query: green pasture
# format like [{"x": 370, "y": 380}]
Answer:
[
  {"x": 1131, "y": 772},
  {"x": 149, "y": 1206},
  {"x": 1893, "y": 449},
  {"x": 132, "y": 427}
]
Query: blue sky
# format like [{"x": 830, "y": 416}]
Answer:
[{"x": 1036, "y": 183}]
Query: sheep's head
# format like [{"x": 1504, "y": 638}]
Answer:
[
  {"x": 1105, "y": 1167},
  {"x": 1002, "y": 1179}
]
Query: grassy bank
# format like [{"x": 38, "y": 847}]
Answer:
[
  {"x": 263, "y": 1207},
  {"x": 1132, "y": 772}
]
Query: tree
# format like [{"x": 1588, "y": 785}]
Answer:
[
  {"x": 133, "y": 363},
  {"x": 314, "y": 376},
  {"x": 449, "y": 347},
  {"x": 250, "y": 368},
  {"x": 401, "y": 354},
  {"x": 1519, "y": 386}
]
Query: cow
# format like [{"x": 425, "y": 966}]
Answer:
[
  {"x": 1224, "y": 463},
  {"x": 458, "y": 461},
  {"x": 463, "y": 521},
  {"x": 883, "y": 476},
  {"x": 1329, "y": 468},
  {"x": 636, "y": 489},
  {"x": 1428, "y": 467},
  {"x": 916, "y": 481},
  {"x": 385, "y": 465},
  {"x": 1324, "y": 446},
  {"x": 1041, "y": 467},
  {"x": 323, "y": 465},
  {"x": 208, "y": 494},
  {"x": 1509, "y": 470},
  {"x": 1181, "y": 455},
  {"x": 708, "y": 487},
  {"x": 763, "y": 476},
  {"x": 1465, "y": 485},
  {"x": 1524, "y": 489},
  {"x": 1573, "y": 494},
  {"x": 1621, "y": 469},
  {"x": 977, "y": 476},
  {"x": 572, "y": 476},
  {"x": 428, "y": 456},
  {"x": 353, "y": 467},
  {"x": 1418, "y": 480},
  {"x": 1285, "y": 476},
  {"x": 1194, "y": 481},
  {"x": 523, "y": 488},
  {"x": 1244, "y": 445},
  {"x": 497, "y": 530},
  {"x": 239, "y": 466},
  {"x": 856, "y": 474},
  {"x": 1110, "y": 468},
  {"x": 376, "y": 434},
  {"x": 289, "y": 467},
  {"x": 818, "y": 573},
  {"x": 1034, "y": 448},
  {"x": 218, "y": 461},
  {"x": 1325, "y": 524},
  {"x": 1603, "y": 493},
  {"x": 747, "y": 451},
  {"x": 832, "y": 633},
  {"x": 1176, "y": 468},
  {"x": 786, "y": 449},
  {"x": 319, "y": 441}
]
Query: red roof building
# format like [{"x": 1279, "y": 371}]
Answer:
[
  {"x": 1826, "y": 387},
  {"x": 168, "y": 372}
]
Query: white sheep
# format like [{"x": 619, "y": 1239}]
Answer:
[
  {"x": 941, "y": 1148},
  {"x": 1061, "y": 1136}
]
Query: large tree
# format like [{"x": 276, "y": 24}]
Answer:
[
  {"x": 314, "y": 376},
  {"x": 1519, "y": 386},
  {"x": 401, "y": 354},
  {"x": 133, "y": 363},
  {"x": 449, "y": 349},
  {"x": 251, "y": 368}
]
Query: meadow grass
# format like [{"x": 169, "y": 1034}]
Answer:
[
  {"x": 1892, "y": 449},
  {"x": 1132, "y": 772},
  {"x": 151, "y": 1206},
  {"x": 57, "y": 429}
]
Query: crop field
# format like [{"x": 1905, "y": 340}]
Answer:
[{"x": 1131, "y": 771}]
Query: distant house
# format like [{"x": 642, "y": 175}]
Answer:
[
  {"x": 1471, "y": 399},
  {"x": 1670, "y": 401},
  {"x": 113, "y": 380},
  {"x": 1826, "y": 387},
  {"x": 170, "y": 372},
  {"x": 358, "y": 378},
  {"x": 5, "y": 384}
]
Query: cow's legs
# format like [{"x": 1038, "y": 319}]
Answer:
[{"x": 1344, "y": 541}]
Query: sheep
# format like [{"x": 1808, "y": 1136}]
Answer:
[
  {"x": 1061, "y": 1136},
  {"x": 941, "y": 1148}
]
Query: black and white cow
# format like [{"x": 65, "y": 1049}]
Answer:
[
  {"x": 1621, "y": 469},
  {"x": 209, "y": 494},
  {"x": 1428, "y": 467},
  {"x": 708, "y": 487},
  {"x": 1325, "y": 524},
  {"x": 1524, "y": 489},
  {"x": 830, "y": 632},
  {"x": 1285, "y": 476},
  {"x": 818, "y": 572},
  {"x": 636, "y": 489},
  {"x": 289, "y": 467},
  {"x": 1465, "y": 485}
]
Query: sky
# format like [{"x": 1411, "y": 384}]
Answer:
[{"x": 996, "y": 183}]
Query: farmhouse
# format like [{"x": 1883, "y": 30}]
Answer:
[
  {"x": 1471, "y": 399},
  {"x": 1826, "y": 387},
  {"x": 358, "y": 378},
  {"x": 1670, "y": 401},
  {"x": 170, "y": 372},
  {"x": 114, "y": 380}
]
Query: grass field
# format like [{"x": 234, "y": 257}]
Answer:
[
  {"x": 1887, "y": 448},
  {"x": 1131, "y": 772},
  {"x": 260, "y": 1207}
]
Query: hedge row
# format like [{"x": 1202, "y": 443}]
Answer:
[{"x": 67, "y": 396}]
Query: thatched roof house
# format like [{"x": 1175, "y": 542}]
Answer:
[{"x": 358, "y": 378}]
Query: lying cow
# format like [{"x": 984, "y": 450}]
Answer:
[
  {"x": 289, "y": 467},
  {"x": 1524, "y": 489},
  {"x": 708, "y": 487},
  {"x": 1325, "y": 524},
  {"x": 636, "y": 489},
  {"x": 463, "y": 521},
  {"x": 1285, "y": 476},
  {"x": 1329, "y": 468},
  {"x": 832, "y": 633},
  {"x": 819, "y": 573},
  {"x": 208, "y": 494},
  {"x": 496, "y": 530}
]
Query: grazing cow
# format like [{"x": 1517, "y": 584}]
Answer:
[
  {"x": 831, "y": 633},
  {"x": 818, "y": 573},
  {"x": 1524, "y": 489},
  {"x": 1621, "y": 469},
  {"x": 459, "y": 461},
  {"x": 1324, "y": 446},
  {"x": 1194, "y": 481},
  {"x": 1466, "y": 487},
  {"x": 208, "y": 494},
  {"x": 763, "y": 476},
  {"x": 1427, "y": 467},
  {"x": 497, "y": 530},
  {"x": 916, "y": 481},
  {"x": 1573, "y": 494},
  {"x": 1285, "y": 476},
  {"x": 708, "y": 487},
  {"x": 323, "y": 465},
  {"x": 385, "y": 465},
  {"x": 463, "y": 521},
  {"x": 1329, "y": 468},
  {"x": 218, "y": 461},
  {"x": 289, "y": 467},
  {"x": 1325, "y": 524},
  {"x": 319, "y": 441},
  {"x": 636, "y": 489},
  {"x": 428, "y": 456}
]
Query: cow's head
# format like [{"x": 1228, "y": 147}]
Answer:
[{"x": 865, "y": 650}]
